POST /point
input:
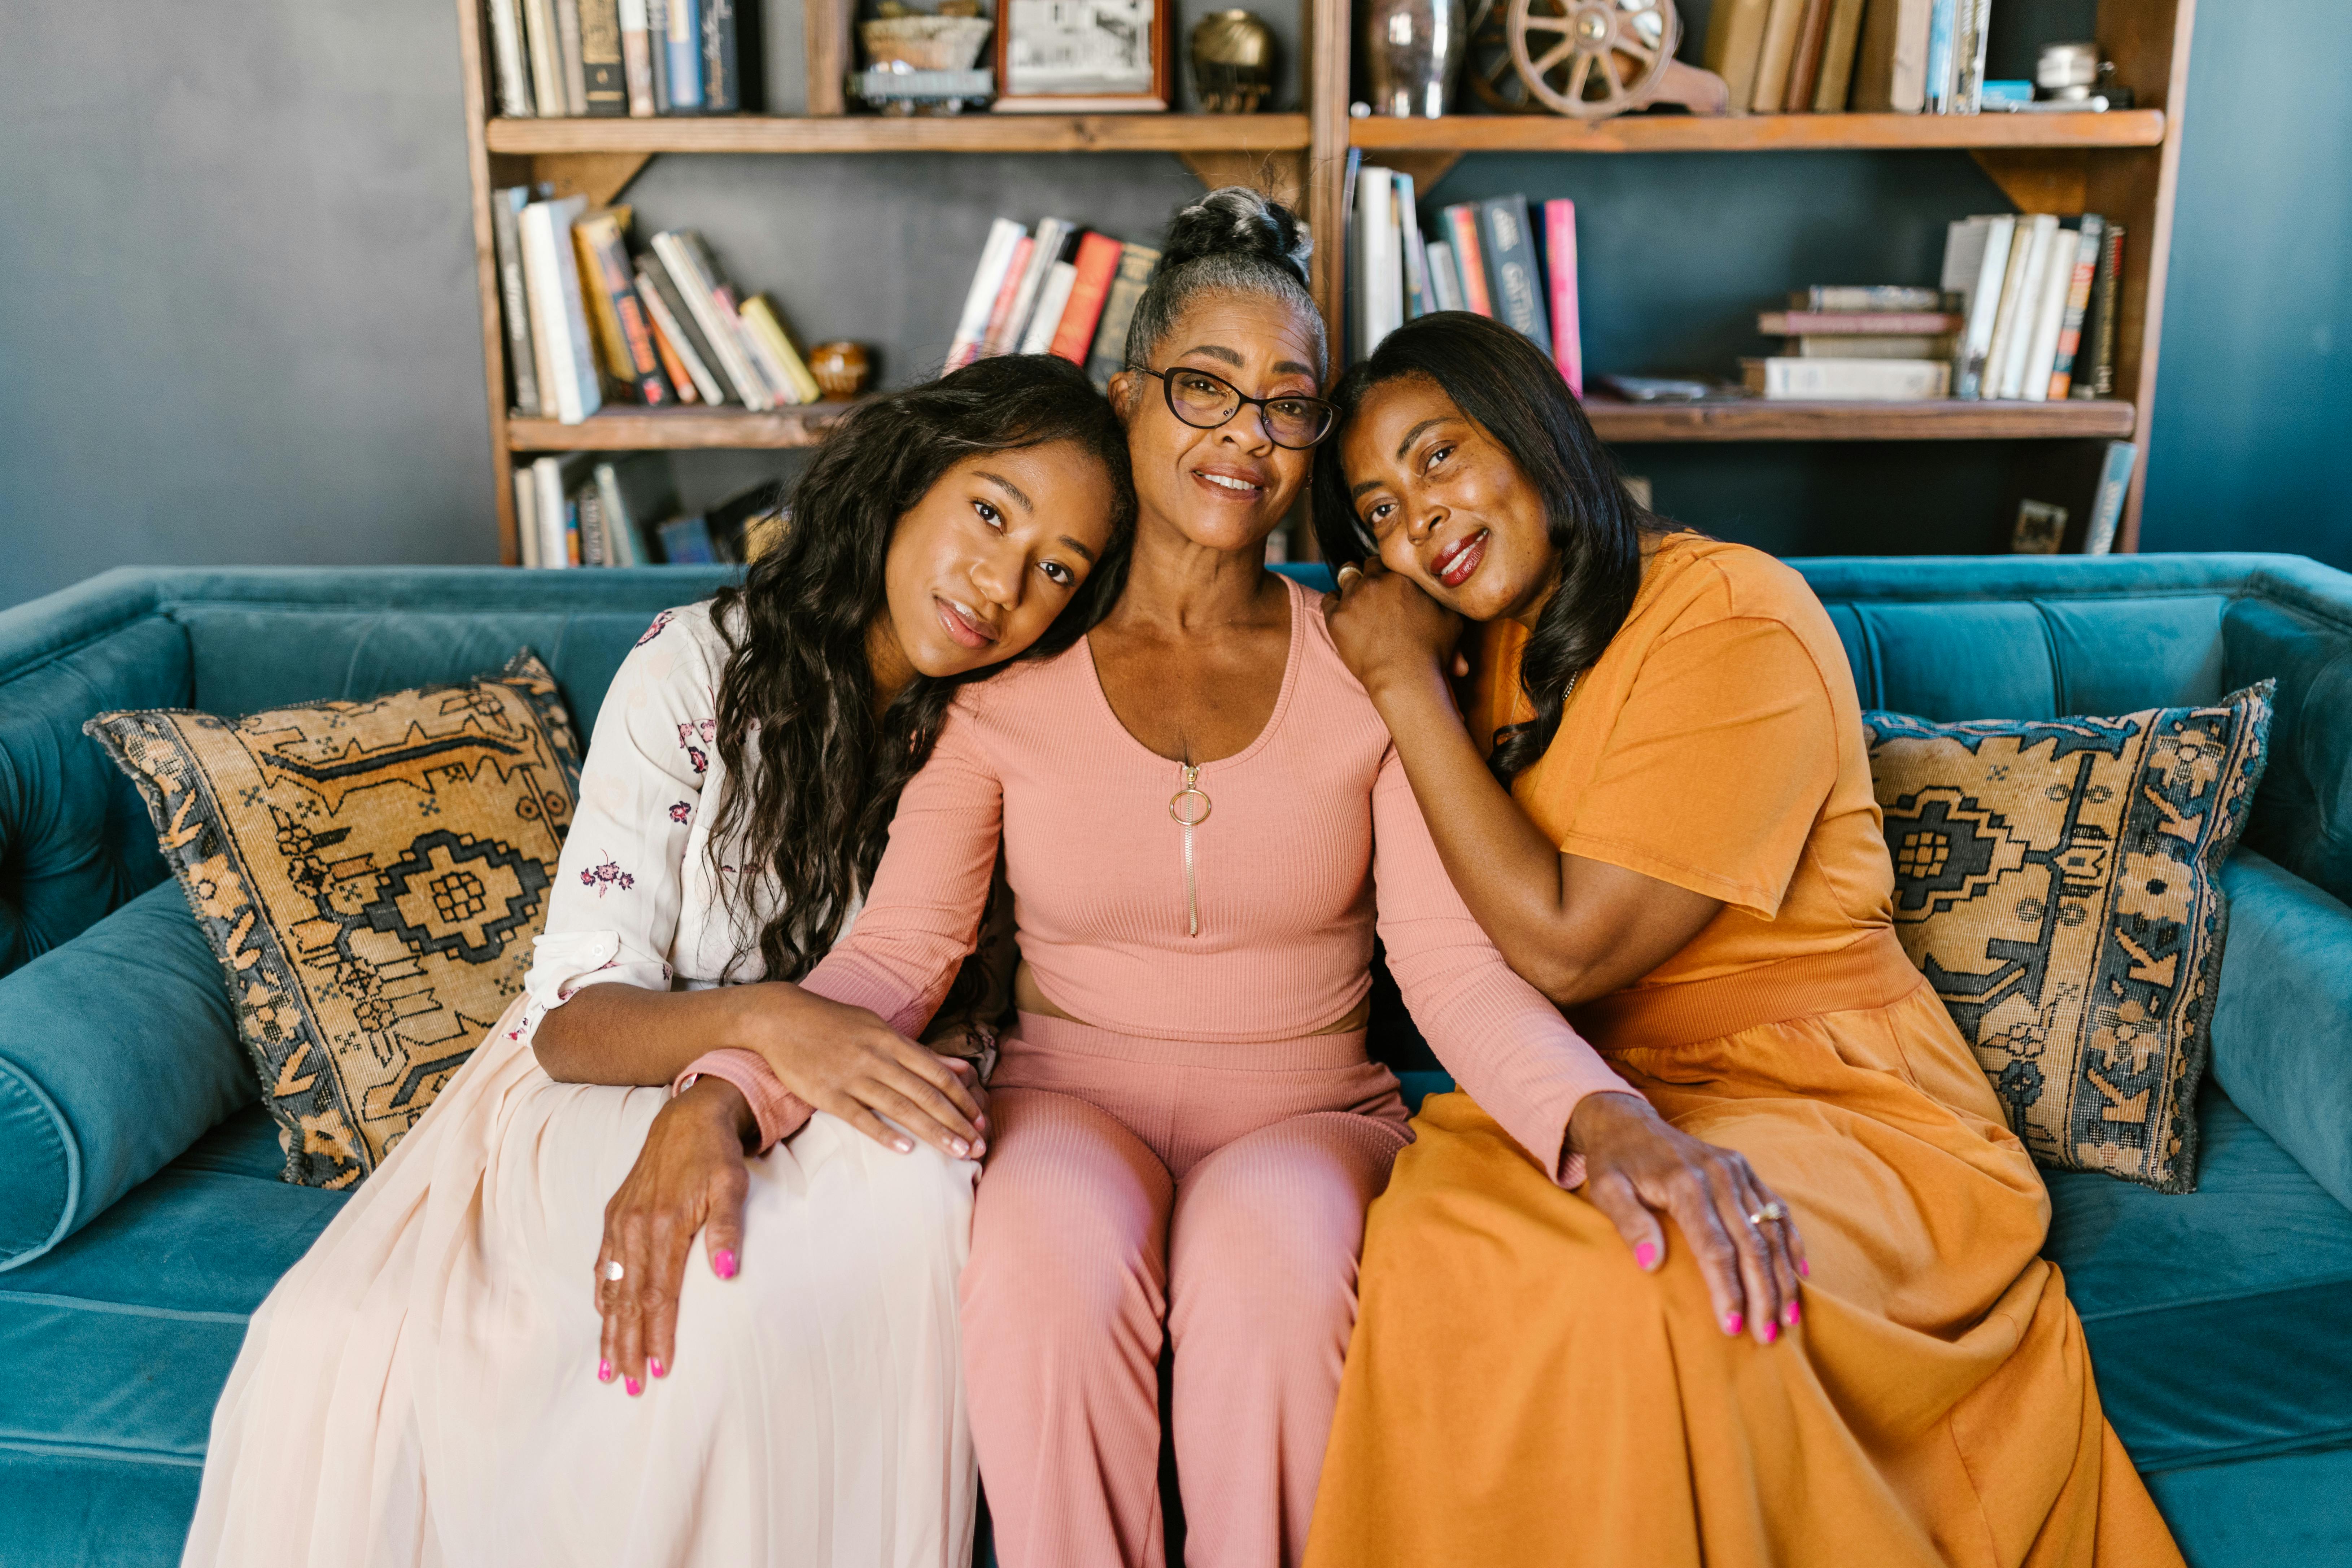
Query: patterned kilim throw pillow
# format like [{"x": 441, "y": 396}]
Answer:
[
  {"x": 370, "y": 876},
  {"x": 2056, "y": 882}
]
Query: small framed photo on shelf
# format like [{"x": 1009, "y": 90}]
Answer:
[{"x": 1082, "y": 57}]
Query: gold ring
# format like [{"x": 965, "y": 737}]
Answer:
[{"x": 1775, "y": 1212}]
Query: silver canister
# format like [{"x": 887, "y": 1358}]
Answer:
[
  {"x": 1412, "y": 51},
  {"x": 2066, "y": 71}
]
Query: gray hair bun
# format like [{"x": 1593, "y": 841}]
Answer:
[{"x": 1237, "y": 222}]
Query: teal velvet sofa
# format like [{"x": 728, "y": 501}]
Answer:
[{"x": 141, "y": 1222}]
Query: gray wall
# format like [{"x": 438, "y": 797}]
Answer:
[{"x": 242, "y": 329}]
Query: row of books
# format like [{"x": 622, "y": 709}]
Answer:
[
  {"x": 589, "y": 509},
  {"x": 1480, "y": 255},
  {"x": 640, "y": 57},
  {"x": 1902, "y": 57},
  {"x": 587, "y": 322},
  {"x": 1062, "y": 290}
]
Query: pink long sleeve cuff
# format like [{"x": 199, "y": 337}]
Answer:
[{"x": 779, "y": 1112}]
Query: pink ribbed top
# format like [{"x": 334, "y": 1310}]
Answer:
[{"x": 1311, "y": 829}]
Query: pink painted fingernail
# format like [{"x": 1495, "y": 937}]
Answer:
[
  {"x": 1644, "y": 1255},
  {"x": 1792, "y": 1315},
  {"x": 654, "y": 1365},
  {"x": 1732, "y": 1322},
  {"x": 1804, "y": 1268},
  {"x": 632, "y": 1386},
  {"x": 722, "y": 1263},
  {"x": 604, "y": 1372},
  {"x": 1772, "y": 1331}
]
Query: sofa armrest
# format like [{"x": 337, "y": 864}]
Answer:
[
  {"x": 2283, "y": 1022},
  {"x": 117, "y": 1051}
]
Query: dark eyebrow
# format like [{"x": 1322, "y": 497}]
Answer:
[
  {"x": 1009, "y": 488},
  {"x": 1414, "y": 435},
  {"x": 1224, "y": 355},
  {"x": 1079, "y": 548},
  {"x": 1290, "y": 367},
  {"x": 1359, "y": 489}
]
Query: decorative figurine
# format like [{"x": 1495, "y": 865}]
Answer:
[
  {"x": 1590, "y": 59},
  {"x": 840, "y": 369},
  {"x": 919, "y": 64},
  {"x": 1233, "y": 62},
  {"x": 1413, "y": 49}
]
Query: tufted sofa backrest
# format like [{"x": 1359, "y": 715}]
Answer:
[
  {"x": 75, "y": 842},
  {"x": 1944, "y": 638}
]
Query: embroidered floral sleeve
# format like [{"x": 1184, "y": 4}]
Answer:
[{"x": 614, "y": 914}]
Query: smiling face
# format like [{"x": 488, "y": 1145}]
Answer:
[
  {"x": 1446, "y": 504},
  {"x": 978, "y": 568},
  {"x": 1225, "y": 489}
]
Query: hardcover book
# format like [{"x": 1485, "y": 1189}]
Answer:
[
  {"x": 1559, "y": 265},
  {"x": 2078, "y": 300},
  {"x": 1873, "y": 380},
  {"x": 509, "y": 50},
  {"x": 1045, "y": 321},
  {"x": 1097, "y": 265},
  {"x": 558, "y": 317},
  {"x": 996, "y": 254},
  {"x": 668, "y": 310},
  {"x": 605, "y": 264},
  {"x": 1511, "y": 269},
  {"x": 684, "y": 57},
  {"x": 514, "y": 299},
  {"x": 1469, "y": 256},
  {"x": 1109, "y": 355},
  {"x": 604, "y": 75},
  {"x": 2099, "y": 380}
]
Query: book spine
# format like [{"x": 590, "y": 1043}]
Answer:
[
  {"x": 634, "y": 336},
  {"x": 1053, "y": 299},
  {"x": 1445, "y": 280},
  {"x": 2107, "y": 504},
  {"x": 1051, "y": 235},
  {"x": 657, "y": 51},
  {"x": 2050, "y": 317},
  {"x": 673, "y": 363},
  {"x": 543, "y": 50},
  {"x": 613, "y": 513},
  {"x": 980, "y": 299},
  {"x": 722, "y": 83},
  {"x": 2078, "y": 300},
  {"x": 1097, "y": 265},
  {"x": 1109, "y": 355},
  {"x": 555, "y": 533},
  {"x": 1805, "y": 64},
  {"x": 716, "y": 318},
  {"x": 1461, "y": 222},
  {"x": 1374, "y": 254},
  {"x": 1772, "y": 59},
  {"x": 611, "y": 355},
  {"x": 1939, "y": 57},
  {"x": 685, "y": 57},
  {"x": 589, "y": 507},
  {"x": 1559, "y": 262},
  {"x": 1891, "y": 346},
  {"x": 1511, "y": 263},
  {"x": 1734, "y": 37},
  {"x": 1788, "y": 324},
  {"x": 767, "y": 354},
  {"x": 2105, "y": 290},
  {"x": 556, "y": 311},
  {"x": 1967, "y": 96},
  {"x": 667, "y": 306},
  {"x": 1000, "y": 310},
  {"x": 637, "y": 58},
  {"x": 514, "y": 303},
  {"x": 526, "y": 510},
  {"x": 1410, "y": 250},
  {"x": 604, "y": 73},
  {"x": 513, "y": 68},
  {"x": 772, "y": 323},
  {"x": 1879, "y": 297},
  {"x": 567, "y": 42},
  {"x": 1838, "y": 52},
  {"x": 1858, "y": 380},
  {"x": 1984, "y": 305},
  {"x": 2013, "y": 330}
]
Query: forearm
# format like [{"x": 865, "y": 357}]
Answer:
[{"x": 627, "y": 1034}]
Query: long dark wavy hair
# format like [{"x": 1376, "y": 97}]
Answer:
[
  {"x": 1506, "y": 385},
  {"x": 814, "y": 774}
]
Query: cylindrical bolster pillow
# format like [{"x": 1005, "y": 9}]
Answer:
[{"x": 117, "y": 1051}]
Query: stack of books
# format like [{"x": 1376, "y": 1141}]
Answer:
[
  {"x": 589, "y": 509},
  {"x": 1062, "y": 290},
  {"x": 1878, "y": 343},
  {"x": 1901, "y": 56},
  {"x": 2041, "y": 297},
  {"x": 587, "y": 322},
  {"x": 1483, "y": 257},
  {"x": 640, "y": 57}
]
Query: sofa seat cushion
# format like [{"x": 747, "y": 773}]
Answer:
[
  {"x": 121, "y": 1338},
  {"x": 2216, "y": 1317}
]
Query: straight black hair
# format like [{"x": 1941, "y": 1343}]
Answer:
[{"x": 1506, "y": 385}]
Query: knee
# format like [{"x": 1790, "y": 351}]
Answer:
[
  {"x": 1051, "y": 1274},
  {"x": 1283, "y": 1271}
]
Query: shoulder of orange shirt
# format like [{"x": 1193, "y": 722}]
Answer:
[
  {"x": 587, "y": 322},
  {"x": 1063, "y": 290},
  {"x": 1496, "y": 258},
  {"x": 623, "y": 57},
  {"x": 1900, "y": 56}
]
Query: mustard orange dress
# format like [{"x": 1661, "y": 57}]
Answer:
[{"x": 1517, "y": 1392}]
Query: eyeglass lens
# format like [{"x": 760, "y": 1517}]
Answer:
[{"x": 1206, "y": 402}]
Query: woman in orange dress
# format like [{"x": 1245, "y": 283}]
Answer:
[{"x": 1795, "y": 1312}]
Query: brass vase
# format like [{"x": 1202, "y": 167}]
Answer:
[
  {"x": 1413, "y": 50},
  {"x": 1233, "y": 62}
]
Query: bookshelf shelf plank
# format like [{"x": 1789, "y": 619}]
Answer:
[
  {"x": 915, "y": 133},
  {"x": 1752, "y": 132},
  {"x": 680, "y": 429},
  {"x": 1762, "y": 419}
]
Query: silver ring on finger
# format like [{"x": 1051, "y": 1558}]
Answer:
[
  {"x": 611, "y": 1270},
  {"x": 1773, "y": 1212},
  {"x": 1349, "y": 573}
]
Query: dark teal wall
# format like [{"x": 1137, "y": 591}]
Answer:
[
  {"x": 2253, "y": 404},
  {"x": 239, "y": 323}
]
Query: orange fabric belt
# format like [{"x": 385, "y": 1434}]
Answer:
[{"x": 1872, "y": 973}]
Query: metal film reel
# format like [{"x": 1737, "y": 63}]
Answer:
[{"x": 1592, "y": 58}]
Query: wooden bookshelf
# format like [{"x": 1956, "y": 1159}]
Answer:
[{"x": 2122, "y": 163}]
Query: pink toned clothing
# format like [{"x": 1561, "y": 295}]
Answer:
[{"x": 1193, "y": 1159}]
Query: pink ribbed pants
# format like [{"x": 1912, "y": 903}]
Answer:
[{"x": 1140, "y": 1191}]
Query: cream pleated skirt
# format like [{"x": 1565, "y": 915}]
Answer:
[{"x": 420, "y": 1389}]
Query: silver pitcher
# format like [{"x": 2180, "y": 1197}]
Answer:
[{"x": 1413, "y": 49}]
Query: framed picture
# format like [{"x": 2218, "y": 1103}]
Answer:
[{"x": 1066, "y": 56}]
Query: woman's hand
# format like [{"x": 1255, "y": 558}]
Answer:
[
  {"x": 846, "y": 1062},
  {"x": 1387, "y": 631},
  {"x": 689, "y": 1176},
  {"x": 1637, "y": 1168}
]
